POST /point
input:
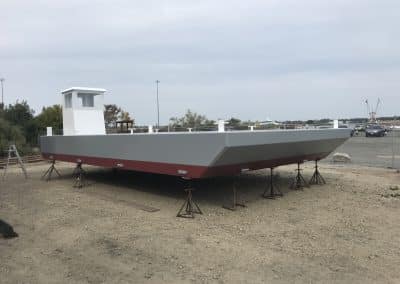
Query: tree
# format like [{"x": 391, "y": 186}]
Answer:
[
  {"x": 11, "y": 134},
  {"x": 191, "y": 120},
  {"x": 21, "y": 115},
  {"x": 124, "y": 115},
  {"x": 50, "y": 117},
  {"x": 324, "y": 120},
  {"x": 234, "y": 122},
  {"x": 113, "y": 113}
]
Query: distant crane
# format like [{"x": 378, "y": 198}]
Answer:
[{"x": 373, "y": 111}]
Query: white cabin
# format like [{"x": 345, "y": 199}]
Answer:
[{"x": 83, "y": 111}]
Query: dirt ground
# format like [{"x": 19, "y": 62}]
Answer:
[{"x": 344, "y": 232}]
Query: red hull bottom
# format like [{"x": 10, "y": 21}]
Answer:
[{"x": 187, "y": 171}]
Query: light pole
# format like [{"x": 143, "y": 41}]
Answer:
[
  {"x": 393, "y": 151},
  {"x": 158, "y": 107},
  {"x": 2, "y": 91}
]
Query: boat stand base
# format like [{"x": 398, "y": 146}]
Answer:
[
  {"x": 273, "y": 189},
  {"x": 79, "y": 173},
  {"x": 235, "y": 202},
  {"x": 317, "y": 178},
  {"x": 47, "y": 175},
  {"x": 189, "y": 208},
  {"x": 298, "y": 182}
]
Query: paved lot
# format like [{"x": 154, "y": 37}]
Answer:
[{"x": 373, "y": 151}]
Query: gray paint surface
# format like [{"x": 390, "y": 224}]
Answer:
[{"x": 199, "y": 148}]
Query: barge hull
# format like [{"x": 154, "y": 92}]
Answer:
[{"x": 195, "y": 155}]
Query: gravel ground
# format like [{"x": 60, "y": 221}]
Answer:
[{"x": 343, "y": 232}]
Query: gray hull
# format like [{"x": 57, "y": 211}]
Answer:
[{"x": 196, "y": 154}]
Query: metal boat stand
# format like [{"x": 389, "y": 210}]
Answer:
[
  {"x": 298, "y": 182},
  {"x": 189, "y": 208},
  {"x": 47, "y": 175},
  {"x": 79, "y": 174},
  {"x": 317, "y": 178},
  {"x": 274, "y": 190},
  {"x": 235, "y": 202}
]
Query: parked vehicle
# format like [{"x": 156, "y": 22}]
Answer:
[
  {"x": 375, "y": 130},
  {"x": 360, "y": 128},
  {"x": 345, "y": 126}
]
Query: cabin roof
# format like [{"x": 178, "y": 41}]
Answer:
[{"x": 84, "y": 89}]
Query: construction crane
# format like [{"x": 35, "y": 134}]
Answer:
[{"x": 372, "y": 111}]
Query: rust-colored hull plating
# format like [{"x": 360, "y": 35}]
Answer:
[{"x": 196, "y": 172}]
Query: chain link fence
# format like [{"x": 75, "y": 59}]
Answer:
[
  {"x": 383, "y": 152},
  {"x": 395, "y": 137}
]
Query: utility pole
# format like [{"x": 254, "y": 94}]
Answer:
[
  {"x": 158, "y": 107},
  {"x": 393, "y": 145},
  {"x": 2, "y": 93}
]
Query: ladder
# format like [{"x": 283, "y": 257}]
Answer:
[{"x": 13, "y": 151}]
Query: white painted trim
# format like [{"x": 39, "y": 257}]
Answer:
[{"x": 83, "y": 89}]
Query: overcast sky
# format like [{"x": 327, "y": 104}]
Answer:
[{"x": 283, "y": 59}]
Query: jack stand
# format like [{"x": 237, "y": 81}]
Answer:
[
  {"x": 49, "y": 172},
  {"x": 79, "y": 174},
  {"x": 189, "y": 208},
  {"x": 273, "y": 189},
  {"x": 235, "y": 203},
  {"x": 298, "y": 182},
  {"x": 317, "y": 178}
]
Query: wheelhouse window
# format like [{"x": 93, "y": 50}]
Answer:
[
  {"x": 87, "y": 100},
  {"x": 68, "y": 100}
]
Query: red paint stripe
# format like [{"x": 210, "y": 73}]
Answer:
[{"x": 189, "y": 171}]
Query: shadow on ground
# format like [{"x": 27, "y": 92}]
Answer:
[{"x": 215, "y": 191}]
